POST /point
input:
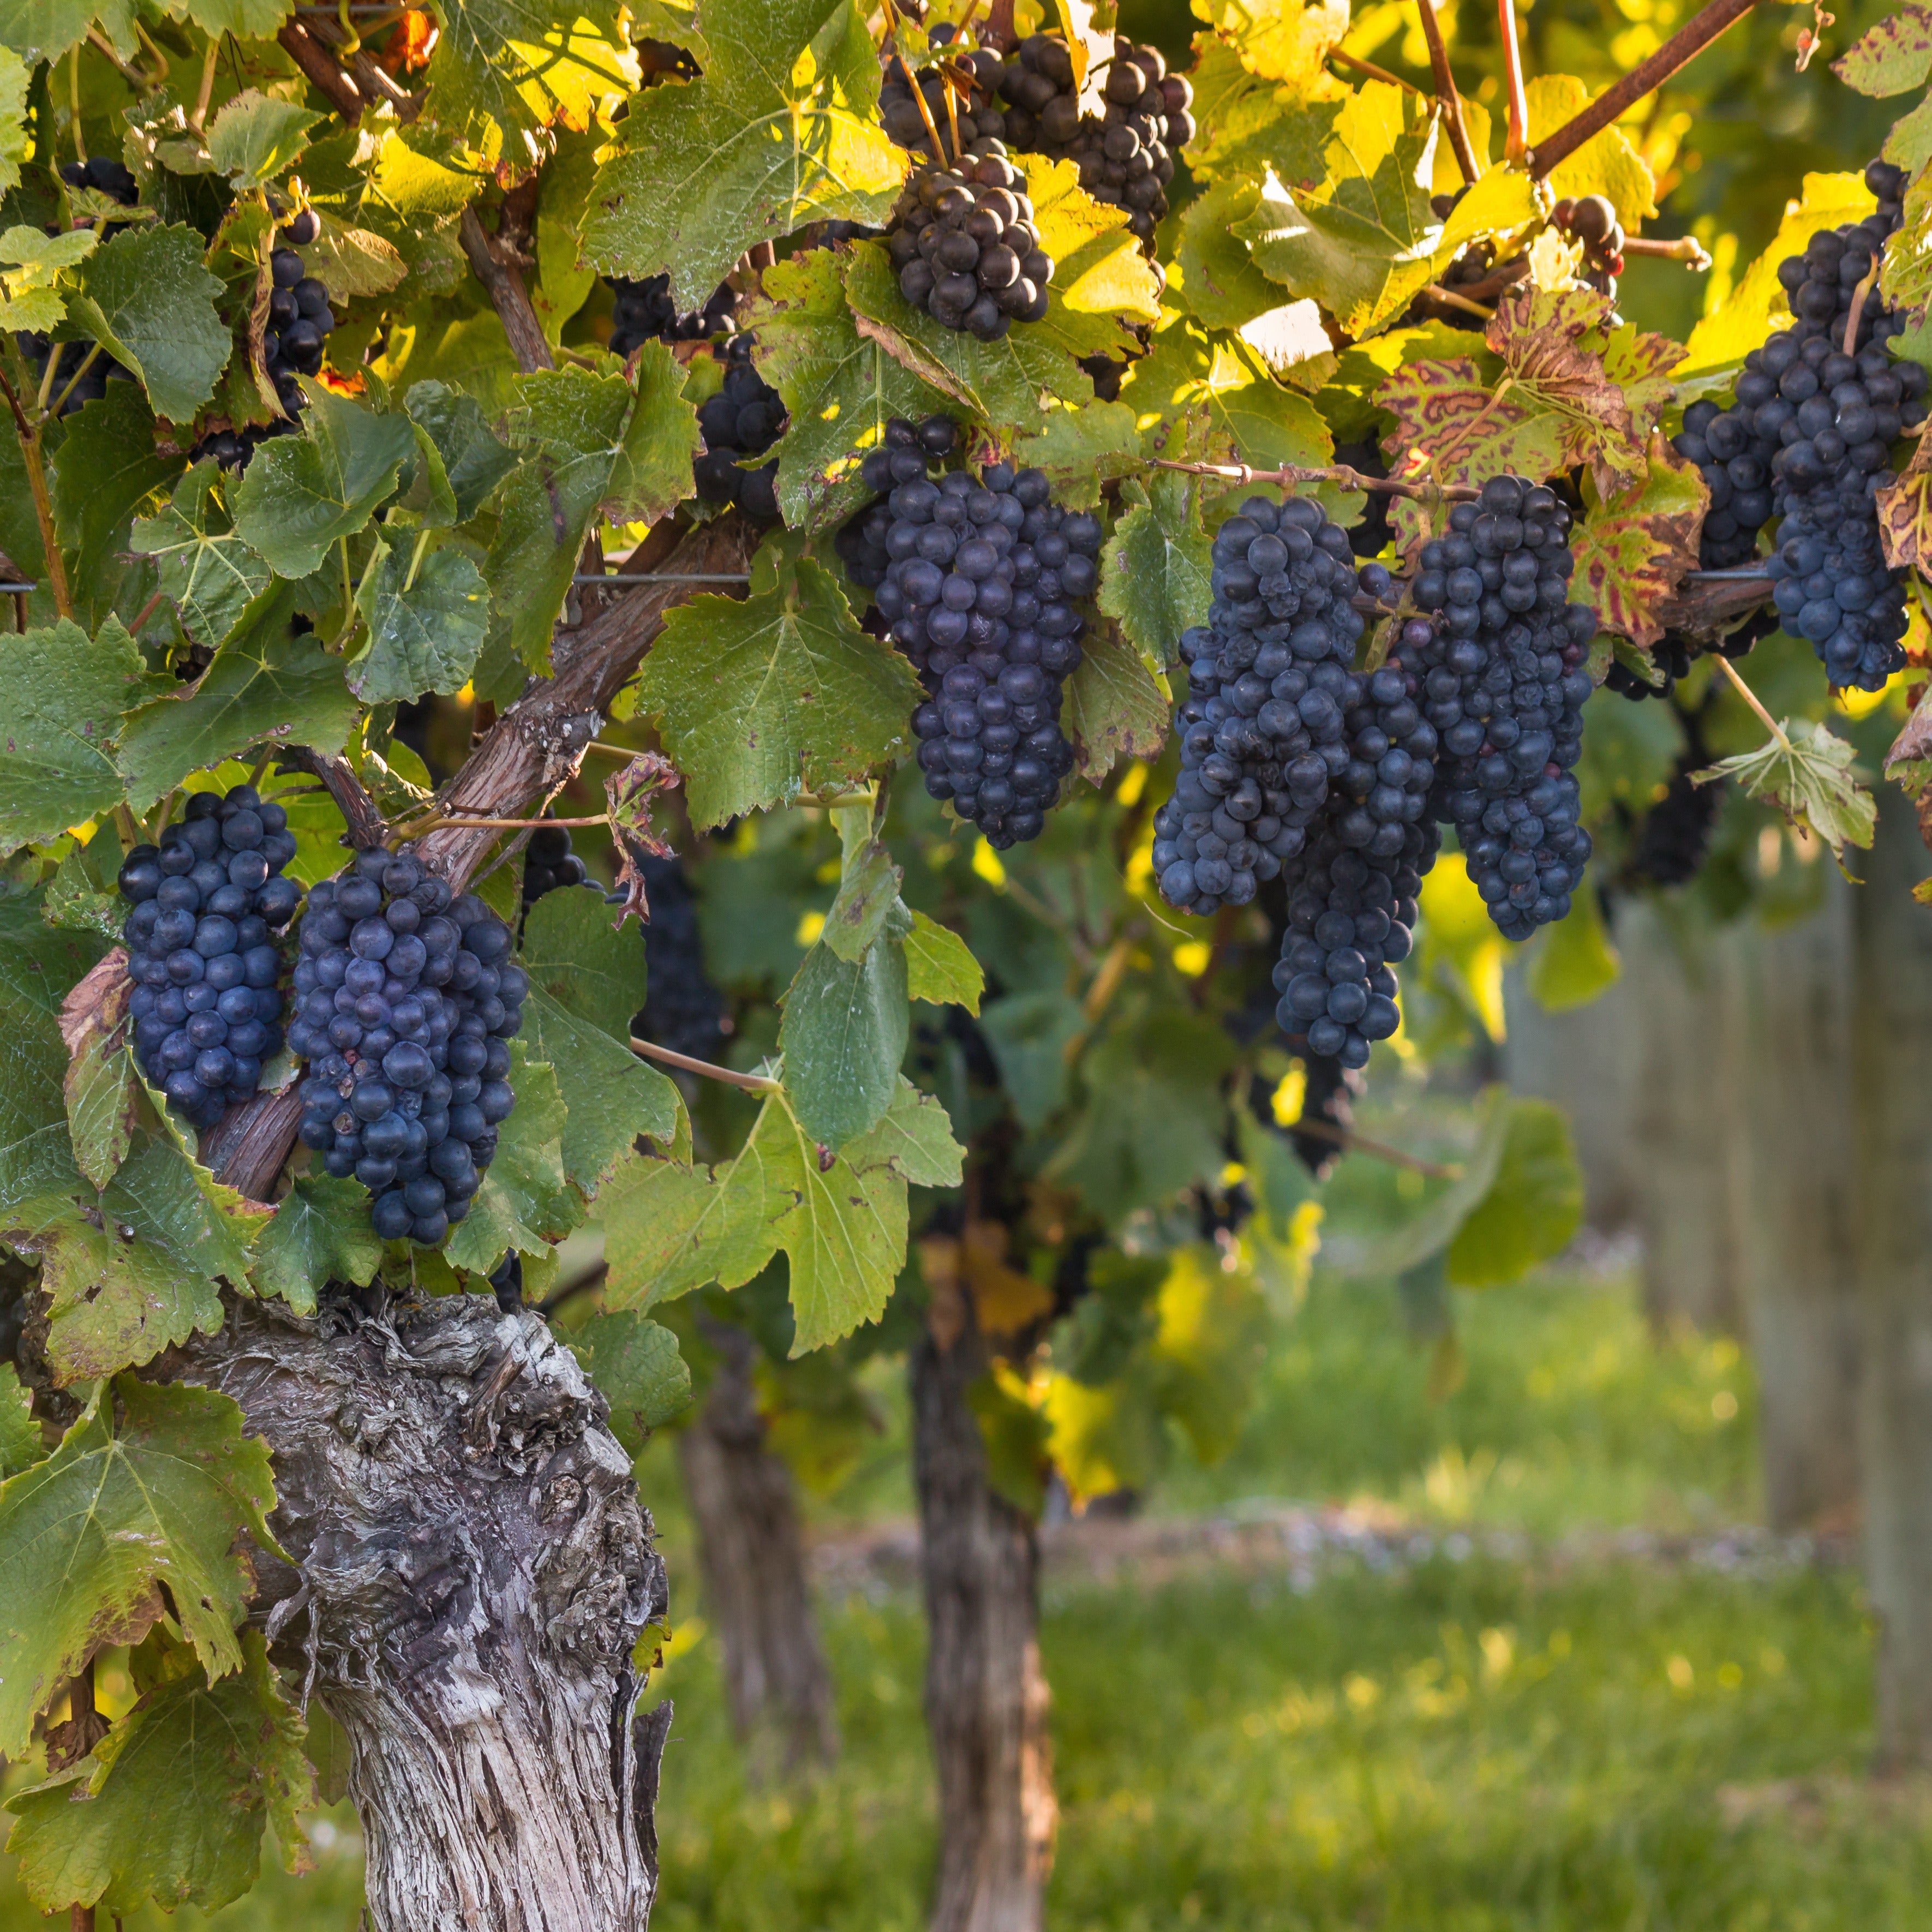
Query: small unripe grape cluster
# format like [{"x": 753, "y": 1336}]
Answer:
[
  {"x": 407, "y": 1001},
  {"x": 973, "y": 106},
  {"x": 205, "y": 901},
  {"x": 1592, "y": 221},
  {"x": 644, "y": 312},
  {"x": 980, "y": 580},
  {"x": 1505, "y": 682},
  {"x": 744, "y": 418},
  {"x": 966, "y": 248}
]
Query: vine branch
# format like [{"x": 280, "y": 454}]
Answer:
[
  {"x": 503, "y": 281},
  {"x": 1683, "y": 46},
  {"x": 1333, "y": 472},
  {"x": 1445, "y": 93},
  {"x": 1517, "y": 138}
]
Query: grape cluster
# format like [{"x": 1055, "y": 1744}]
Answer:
[
  {"x": 205, "y": 900},
  {"x": 980, "y": 580},
  {"x": 643, "y": 312},
  {"x": 1675, "y": 831},
  {"x": 1592, "y": 221},
  {"x": 979, "y": 118},
  {"x": 744, "y": 418},
  {"x": 682, "y": 1009},
  {"x": 1374, "y": 533},
  {"x": 106, "y": 176},
  {"x": 549, "y": 863},
  {"x": 406, "y": 1002},
  {"x": 1504, "y": 679},
  {"x": 1269, "y": 685},
  {"x": 966, "y": 249}
]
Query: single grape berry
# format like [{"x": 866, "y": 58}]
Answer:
[{"x": 206, "y": 902}]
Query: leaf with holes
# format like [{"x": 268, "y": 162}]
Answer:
[{"x": 155, "y": 1484}]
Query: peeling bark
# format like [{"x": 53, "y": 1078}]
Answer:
[
  {"x": 753, "y": 1558},
  {"x": 471, "y": 1568},
  {"x": 986, "y": 1695}
]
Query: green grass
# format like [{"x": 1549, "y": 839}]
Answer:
[{"x": 1563, "y": 1742}]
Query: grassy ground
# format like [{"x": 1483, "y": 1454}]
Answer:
[{"x": 1563, "y": 1741}]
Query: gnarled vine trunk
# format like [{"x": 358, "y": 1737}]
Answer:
[
  {"x": 753, "y": 1558},
  {"x": 986, "y": 1695},
  {"x": 471, "y": 1569}
]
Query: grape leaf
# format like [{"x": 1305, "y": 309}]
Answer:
[
  {"x": 265, "y": 682},
  {"x": 525, "y": 67},
  {"x": 572, "y": 952},
  {"x": 255, "y": 138},
  {"x": 1081, "y": 450},
  {"x": 869, "y": 888},
  {"x": 914, "y": 1137},
  {"x": 474, "y": 462},
  {"x": 590, "y": 445},
  {"x": 145, "y": 297},
  {"x": 1808, "y": 772},
  {"x": 638, "y": 1369},
  {"x": 13, "y": 143},
  {"x": 246, "y": 19},
  {"x": 154, "y": 1485},
  {"x": 320, "y": 1233},
  {"x": 20, "y": 1446},
  {"x": 1893, "y": 57},
  {"x": 1279, "y": 41},
  {"x": 1909, "y": 143},
  {"x": 207, "y": 573},
  {"x": 103, "y": 1099},
  {"x": 843, "y": 1036},
  {"x": 1098, "y": 269},
  {"x": 176, "y": 1795},
  {"x": 1155, "y": 571},
  {"x": 1008, "y": 382},
  {"x": 1606, "y": 164},
  {"x": 1363, "y": 241},
  {"x": 64, "y": 696},
  {"x": 840, "y": 388},
  {"x": 427, "y": 619},
  {"x": 782, "y": 693},
  {"x": 38, "y": 966},
  {"x": 148, "y": 1275},
  {"x": 1905, "y": 512},
  {"x": 1632, "y": 552},
  {"x": 1531, "y": 1209},
  {"x": 1116, "y": 707},
  {"x": 107, "y": 467},
  {"x": 525, "y": 1202},
  {"x": 939, "y": 967},
  {"x": 1905, "y": 279},
  {"x": 1574, "y": 962},
  {"x": 779, "y": 131},
  {"x": 30, "y": 263},
  {"x": 1223, "y": 287},
  {"x": 350, "y": 261},
  {"x": 301, "y": 492}
]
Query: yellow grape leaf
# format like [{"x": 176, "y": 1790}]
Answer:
[
  {"x": 1905, "y": 512},
  {"x": 1606, "y": 164},
  {"x": 1280, "y": 39}
]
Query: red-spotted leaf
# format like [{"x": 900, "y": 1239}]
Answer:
[
  {"x": 1893, "y": 57},
  {"x": 1632, "y": 551}
]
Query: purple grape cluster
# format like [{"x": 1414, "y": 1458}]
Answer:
[
  {"x": 979, "y": 118},
  {"x": 407, "y": 1000},
  {"x": 744, "y": 418},
  {"x": 978, "y": 582},
  {"x": 205, "y": 900},
  {"x": 643, "y": 312},
  {"x": 963, "y": 242},
  {"x": 1505, "y": 682},
  {"x": 550, "y": 862}
]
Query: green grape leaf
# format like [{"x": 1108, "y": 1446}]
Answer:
[
  {"x": 525, "y": 1201},
  {"x": 1905, "y": 279},
  {"x": 107, "y": 467},
  {"x": 563, "y": 284},
  {"x": 265, "y": 683},
  {"x": 636, "y": 1366},
  {"x": 177, "y": 1794},
  {"x": 38, "y": 967},
  {"x": 1030, "y": 1033},
  {"x": 255, "y": 138},
  {"x": 1156, "y": 569},
  {"x": 207, "y": 573},
  {"x": 844, "y": 1034},
  {"x": 145, "y": 297},
  {"x": 1808, "y": 772},
  {"x": 20, "y": 1445},
  {"x": 939, "y": 967},
  {"x": 1632, "y": 552},
  {"x": 474, "y": 461},
  {"x": 13, "y": 142},
  {"x": 1080, "y": 450},
  {"x": 914, "y": 1137},
  {"x": 1574, "y": 961},
  {"x": 32, "y": 262},
  {"x": 1606, "y": 164},
  {"x": 83, "y": 893},
  {"x": 590, "y": 445},
  {"x": 1427, "y": 1233},
  {"x": 840, "y": 388},
  {"x": 779, "y": 131},
  {"x": 589, "y": 967},
  {"x": 103, "y": 1099},
  {"x": 320, "y": 1233},
  {"x": 526, "y": 67},
  {"x": 868, "y": 889},
  {"x": 1153, "y": 1118},
  {"x": 1893, "y": 57},
  {"x": 154, "y": 1485},
  {"x": 1116, "y": 707},
  {"x": 64, "y": 696},
  {"x": 149, "y": 1274},
  {"x": 351, "y": 263},
  {"x": 1009, "y": 382},
  {"x": 1363, "y": 241},
  {"x": 780, "y": 694},
  {"x": 1532, "y": 1208},
  {"x": 669, "y": 1228},
  {"x": 1222, "y": 287},
  {"x": 1909, "y": 143},
  {"x": 301, "y": 492},
  {"x": 427, "y": 619},
  {"x": 246, "y": 19}
]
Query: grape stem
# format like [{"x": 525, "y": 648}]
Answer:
[
  {"x": 1683, "y": 46},
  {"x": 1453, "y": 298},
  {"x": 1750, "y": 697},
  {"x": 1333, "y": 472},
  {"x": 1343, "y": 58},
  {"x": 1355, "y": 1143},
  {"x": 1517, "y": 138},
  {"x": 1445, "y": 93},
  {"x": 752, "y": 1083},
  {"x": 1684, "y": 248},
  {"x": 1858, "y": 295}
]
